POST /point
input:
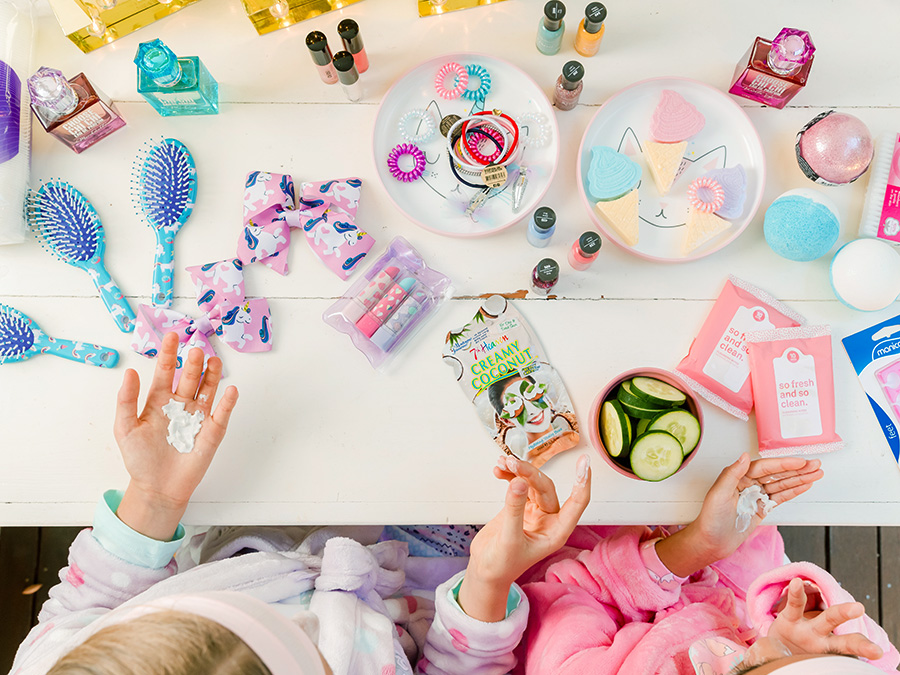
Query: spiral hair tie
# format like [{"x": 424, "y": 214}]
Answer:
[
  {"x": 706, "y": 195},
  {"x": 484, "y": 78},
  {"x": 417, "y": 126},
  {"x": 418, "y": 157},
  {"x": 447, "y": 71},
  {"x": 485, "y": 134},
  {"x": 538, "y": 129}
]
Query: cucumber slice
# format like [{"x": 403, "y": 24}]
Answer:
[
  {"x": 682, "y": 425},
  {"x": 641, "y": 428},
  {"x": 656, "y": 455},
  {"x": 615, "y": 428},
  {"x": 626, "y": 395},
  {"x": 641, "y": 412},
  {"x": 655, "y": 392}
]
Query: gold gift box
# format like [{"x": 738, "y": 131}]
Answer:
[
  {"x": 432, "y": 7},
  {"x": 269, "y": 15},
  {"x": 90, "y": 26}
]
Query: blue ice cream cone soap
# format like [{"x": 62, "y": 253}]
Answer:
[{"x": 612, "y": 181}]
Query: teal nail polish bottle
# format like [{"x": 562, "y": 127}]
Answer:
[
  {"x": 551, "y": 28},
  {"x": 173, "y": 85}
]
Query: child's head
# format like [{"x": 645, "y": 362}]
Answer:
[
  {"x": 162, "y": 643},
  {"x": 810, "y": 664}
]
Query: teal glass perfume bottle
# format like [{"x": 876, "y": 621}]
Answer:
[{"x": 173, "y": 85}]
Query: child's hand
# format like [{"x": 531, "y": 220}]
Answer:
[
  {"x": 713, "y": 535},
  {"x": 531, "y": 526},
  {"x": 796, "y": 631},
  {"x": 163, "y": 479}
]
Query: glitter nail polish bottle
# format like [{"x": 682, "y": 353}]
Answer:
[
  {"x": 585, "y": 251},
  {"x": 551, "y": 28},
  {"x": 541, "y": 227},
  {"x": 773, "y": 72},
  {"x": 591, "y": 29},
  {"x": 569, "y": 86},
  {"x": 544, "y": 276}
]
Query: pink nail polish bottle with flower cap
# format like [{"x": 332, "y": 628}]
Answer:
[{"x": 773, "y": 72}]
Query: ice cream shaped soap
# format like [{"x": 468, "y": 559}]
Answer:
[
  {"x": 733, "y": 181},
  {"x": 612, "y": 181},
  {"x": 674, "y": 121}
]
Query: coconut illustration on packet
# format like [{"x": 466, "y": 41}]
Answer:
[
  {"x": 613, "y": 182},
  {"x": 674, "y": 121}
]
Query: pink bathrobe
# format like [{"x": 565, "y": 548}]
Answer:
[{"x": 596, "y": 610}]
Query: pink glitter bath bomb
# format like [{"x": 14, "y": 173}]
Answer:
[{"x": 834, "y": 148}]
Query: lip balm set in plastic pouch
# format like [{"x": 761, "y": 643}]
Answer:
[
  {"x": 518, "y": 396},
  {"x": 383, "y": 309},
  {"x": 875, "y": 355}
]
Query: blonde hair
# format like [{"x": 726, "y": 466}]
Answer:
[{"x": 162, "y": 643}]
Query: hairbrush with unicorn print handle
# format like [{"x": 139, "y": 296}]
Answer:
[
  {"x": 21, "y": 338},
  {"x": 69, "y": 227},
  {"x": 165, "y": 188}
]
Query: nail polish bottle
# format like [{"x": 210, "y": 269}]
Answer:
[
  {"x": 551, "y": 28},
  {"x": 175, "y": 85},
  {"x": 348, "y": 29},
  {"x": 773, "y": 72},
  {"x": 569, "y": 86},
  {"x": 348, "y": 75},
  {"x": 320, "y": 52},
  {"x": 544, "y": 276},
  {"x": 591, "y": 29},
  {"x": 585, "y": 251},
  {"x": 74, "y": 111},
  {"x": 541, "y": 227}
]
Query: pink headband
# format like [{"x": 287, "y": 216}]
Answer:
[{"x": 278, "y": 642}]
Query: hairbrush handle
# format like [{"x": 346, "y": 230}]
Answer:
[
  {"x": 82, "y": 352},
  {"x": 164, "y": 268},
  {"x": 113, "y": 299}
]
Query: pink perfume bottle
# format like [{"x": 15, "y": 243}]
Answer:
[
  {"x": 74, "y": 111},
  {"x": 774, "y": 72}
]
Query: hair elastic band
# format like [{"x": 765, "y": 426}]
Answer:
[
  {"x": 418, "y": 157},
  {"x": 447, "y": 71},
  {"x": 484, "y": 77},
  {"x": 417, "y": 126},
  {"x": 706, "y": 195}
]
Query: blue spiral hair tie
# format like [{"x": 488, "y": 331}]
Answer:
[{"x": 484, "y": 77}]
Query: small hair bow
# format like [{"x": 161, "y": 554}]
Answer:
[
  {"x": 242, "y": 323},
  {"x": 266, "y": 236}
]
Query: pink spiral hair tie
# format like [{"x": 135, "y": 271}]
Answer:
[
  {"x": 447, "y": 71},
  {"x": 473, "y": 144},
  {"x": 418, "y": 157},
  {"x": 706, "y": 195}
]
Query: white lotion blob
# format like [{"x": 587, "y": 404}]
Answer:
[
  {"x": 747, "y": 506},
  {"x": 183, "y": 426}
]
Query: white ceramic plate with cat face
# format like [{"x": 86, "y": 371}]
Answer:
[
  {"x": 437, "y": 201},
  {"x": 728, "y": 139}
]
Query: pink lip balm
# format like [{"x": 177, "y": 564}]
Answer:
[
  {"x": 371, "y": 294},
  {"x": 373, "y": 320}
]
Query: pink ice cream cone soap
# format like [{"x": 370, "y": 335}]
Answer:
[
  {"x": 674, "y": 121},
  {"x": 612, "y": 181}
]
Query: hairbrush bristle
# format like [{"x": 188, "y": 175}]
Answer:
[
  {"x": 16, "y": 336},
  {"x": 166, "y": 183},
  {"x": 64, "y": 221}
]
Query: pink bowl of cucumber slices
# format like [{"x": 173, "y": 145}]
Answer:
[{"x": 646, "y": 424}]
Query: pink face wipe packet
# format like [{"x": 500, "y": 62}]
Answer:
[
  {"x": 716, "y": 366},
  {"x": 793, "y": 385}
]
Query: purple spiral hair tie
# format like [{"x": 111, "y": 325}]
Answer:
[{"x": 418, "y": 157}]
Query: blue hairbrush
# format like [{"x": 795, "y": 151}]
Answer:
[
  {"x": 165, "y": 190},
  {"x": 70, "y": 228},
  {"x": 21, "y": 338}
]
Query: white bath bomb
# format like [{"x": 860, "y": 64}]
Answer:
[{"x": 865, "y": 274}]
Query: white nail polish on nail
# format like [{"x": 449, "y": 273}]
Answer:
[
  {"x": 512, "y": 464},
  {"x": 581, "y": 469}
]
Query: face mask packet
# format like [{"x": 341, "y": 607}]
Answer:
[
  {"x": 518, "y": 396},
  {"x": 875, "y": 355},
  {"x": 793, "y": 387},
  {"x": 716, "y": 366}
]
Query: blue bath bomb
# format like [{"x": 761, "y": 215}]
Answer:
[{"x": 801, "y": 225}]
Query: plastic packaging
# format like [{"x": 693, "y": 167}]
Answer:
[
  {"x": 793, "y": 389},
  {"x": 881, "y": 213},
  {"x": 394, "y": 298},
  {"x": 17, "y": 26},
  {"x": 716, "y": 366},
  {"x": 518, "y": 396},
  {"x": 875, "y": 355}
]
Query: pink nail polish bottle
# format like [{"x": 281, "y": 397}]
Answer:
[
  {"x": 585, "y": 251},
  {"x": 773, "y": 72},
  {"x": 321, "y": 55},
  {"x": 569, "y": 86},
  {"x": 348, "y": 29}
]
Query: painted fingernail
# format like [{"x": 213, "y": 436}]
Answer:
[
  {"x": 581, "y": 469},
  {"x": 512, "y": 464}
]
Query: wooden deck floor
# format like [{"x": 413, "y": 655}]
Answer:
[{"x": 865, "y": 559}]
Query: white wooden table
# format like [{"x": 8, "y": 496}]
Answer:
[{"x": 318, "y": 436}]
